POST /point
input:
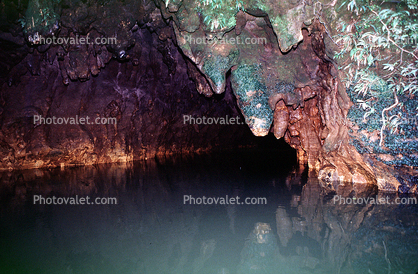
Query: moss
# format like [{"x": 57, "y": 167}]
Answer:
[
  {"x": 216, "y": 67},
  {"x": 188, "y": 19},
  {"x": 282, "y": 26},
  {"x": 252, "y": 98}
]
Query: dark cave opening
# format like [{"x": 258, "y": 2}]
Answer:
[
  {"x": 177, "y": 180},
  {"x": 150, "y": 95}
]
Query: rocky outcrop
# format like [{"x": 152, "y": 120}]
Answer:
[
  {"x": 277, "y": 57},
  {"x": 299, "y": 92},
  {"x": 285, "y": 80},
  {"x": 143, "y": 101}
]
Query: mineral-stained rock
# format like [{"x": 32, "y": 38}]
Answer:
[
  {"x": 281, "y": 119},
  {"x": 277, "y": 55},
  {"x": 206, "y": 252},
  {"x": 92, "y": 63},
  {"x": 202, "y": 84},
  {"x": 136, "y": 54},
  {"x": 149, "y": 106}
]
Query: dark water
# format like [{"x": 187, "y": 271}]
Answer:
[{"x": 152, "y": 230}]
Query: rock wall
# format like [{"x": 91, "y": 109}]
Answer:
[
  {"x": 289, "y": 83},
  {"x": 297, "y": 90},
  {"x": 277, "y": 56},
  {"x": 146, "y": 97}
]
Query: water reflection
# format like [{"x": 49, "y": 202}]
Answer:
[{"x": 151, "y": 230}]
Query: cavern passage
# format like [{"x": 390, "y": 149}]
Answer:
[
  {"x": 285, "y": 63},
  {"x": 166, "y": 113}
]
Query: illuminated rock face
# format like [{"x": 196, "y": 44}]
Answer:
[
  {"x": 286, "y": 86},
  {"x": 295, "y": 95},
  {"x": 276, "y": 55},
  {"x": 147, "y": 99}
]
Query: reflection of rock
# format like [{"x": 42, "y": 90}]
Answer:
[
  {"x": 391, "y": 247},
  {"x": 305, "y": 259},
  {"x": 261, "y": 230},
  {"x": 207, "y": 248},
  {"x": 284, "y": 226},
  {"x": 344, "y": 238},
  {"x": 299, "y": 225},
  {"x": 259, "y": 250},
  {"x": 223, "y": 271},
  {"x": 206, "y": 251},
  {"x": 231, "y": 212}
]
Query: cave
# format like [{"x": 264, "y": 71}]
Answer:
[{"x": 208, "y": 136}]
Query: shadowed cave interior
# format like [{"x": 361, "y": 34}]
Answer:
[{"x": 285, "y": 178}]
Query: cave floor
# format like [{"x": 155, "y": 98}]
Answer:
[{"x": 156, "y": 228}]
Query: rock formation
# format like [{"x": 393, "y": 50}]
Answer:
[{"x": 277, "y": 56}]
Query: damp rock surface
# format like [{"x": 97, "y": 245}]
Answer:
[
  {"x": 144, "y": 109},
  {"x": 273, "y": 60}
]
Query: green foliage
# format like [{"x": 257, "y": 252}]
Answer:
[
  {"x": 380, "y": 63},
  {"x": 22, "y": 22},
  {"x": 219, "y": 14},
  {"x": 412, "y": 4},
  {"x": 40, "y": 17},
  {"x": 400, "y": 127}
]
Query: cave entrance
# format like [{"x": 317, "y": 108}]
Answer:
[{"x": 274, "y": 153}]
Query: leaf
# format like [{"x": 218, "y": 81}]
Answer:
[
  {"x": 389, "y": 67},
  {"x": 370, "y": 60},
  {"x": 352, "y": 52}
]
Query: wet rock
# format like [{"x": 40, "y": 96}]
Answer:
[
  {"x": 284, "y": 226},
  {"x": 147, "y": 103},
  {"x": 202, "y": 84},
  {"x": 279, "y": 64},
  {"x": 281, "y": 119}
]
